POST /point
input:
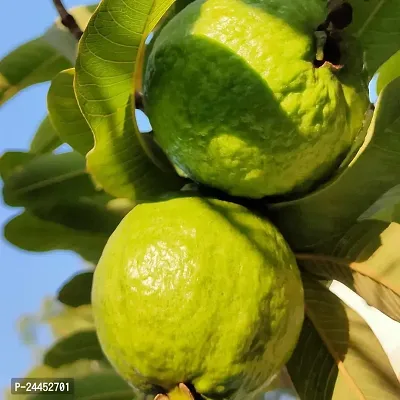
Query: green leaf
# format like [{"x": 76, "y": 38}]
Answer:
[
  {"x": 366, "y": 259},
  {"x": 356, "y": 277},
  {"x": 12, "y": 161},
  {"x": 48, "y": 178},
  {"x": 181, "y": 4},
  {"x": 387, "y": 208},
  {"x": 80, "y": 345},
  {"x": 103, "y": 385},
  {"x": 376, "y": 25},
  {"x": 33, "y": 62},
  {"x": 29, "y": 232},
  {"x": 46, "y": 138},
  {"x": 325, "y": 215},
  {"x": 373, "y": 248},
  {"x": 311, "y": 367},
  {"x": 40, "y": 59},
  {"x": 78, "y": 369},
  {"x": 66, "y": 115},
  {"x": 120, "y": 162},
  {"x": 346, "y": 361},
  {"x": 77, "y": 291},
  {"x": 83, "y": 226},
  {"x": 388, "y": 72},
  {"x": 93, "y": 217}
]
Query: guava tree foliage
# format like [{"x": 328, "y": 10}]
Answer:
[{"x": 347, "y": 229}]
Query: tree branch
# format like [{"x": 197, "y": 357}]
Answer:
[{"x": 68, "y": 20}]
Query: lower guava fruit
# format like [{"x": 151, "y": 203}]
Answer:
[
  {"x": 237, "y": 102},
  {"x": 200, "y": 292}
]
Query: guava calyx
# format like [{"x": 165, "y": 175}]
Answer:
[
  {"x": 328, "y": 50},
  {"x": 180, "y": 392},
  {"x": 328, "y": 36}
]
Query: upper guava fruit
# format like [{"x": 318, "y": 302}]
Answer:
[
  {"x": 236, "y": 102},
  {"x": 198, "y": 291}
]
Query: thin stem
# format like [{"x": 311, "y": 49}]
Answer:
[
  {"x": 139, "y": 101},
  {"x": 68, "y": 20}
]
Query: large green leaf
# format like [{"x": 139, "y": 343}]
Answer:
[
  {"x": 76, "y": 292},
  {"x": 323, "y": 216},
  {"x": 103, "y": 385},
  {"x": 387, "y": 208},
  {"x": 356, "y": 276},
  {"x": 46, "y": 138},
  {"x": 66, "y": 115},
  {"x": 80, "y": 345},
  {"x": 388, "y": 72},
  {"x": 79, "y": 369},
  {"x": 120, "y": 162},
  {"x": 367, "y": 260},
  {"x": 181, "y": 4},
  {"x": 82, "y": 225},
  {"x": 311, "y": 367},
  {"x": 12, "y": 161},
  {"x": 48, "y": 178},
  {"x": 40, "y": 59},
  {"x": 86, "y": 215},
  {"x": 373, "y": 247},
  {"x": 33, "y": 62},
  {"x": 346, "y": 361},
  {"x": 376, "y": 25},
  {"x": 93, "y": 380},
  {"x": 32, "y": 233}
]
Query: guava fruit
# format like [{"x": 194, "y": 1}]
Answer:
[
  {"x": 237, "y": 102},
  {"x": 197, "y": 291}
]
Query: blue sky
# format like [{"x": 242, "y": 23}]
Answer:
[{"x": 26, "y": 278}]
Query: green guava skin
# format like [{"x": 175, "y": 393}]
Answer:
[
  {"x": 236, "y": 103},
  {"x": 198, "y": 291}
]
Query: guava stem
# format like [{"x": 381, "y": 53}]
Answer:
[
  {"x": 139, "y": 101},
  {"x": 68, "y": 20},
  {"x": 180, "y": 392}
]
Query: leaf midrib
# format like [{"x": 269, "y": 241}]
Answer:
[
  {"x": 74, "y": 353},
  {"x": 370, "y": 18},
  {"x": 341, "y": 367},
  {"x": 353, "y": 265},
  {"x": 49, "y": 182}
]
